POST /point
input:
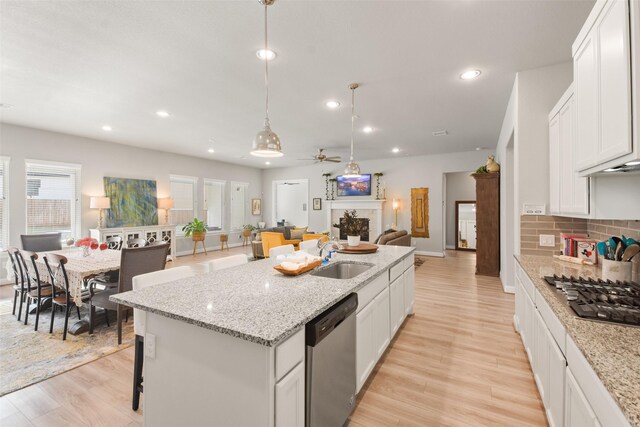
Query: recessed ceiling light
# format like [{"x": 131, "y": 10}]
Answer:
[
  {"x": 332, "y": 104},
  {"x": 211, "y": 150},
  {"x": 478, "y": 148},
  {"x": 106, "y": 128},
  {"x": 266, "y": 54},
  {"x": 267, "y": 163},
  {"x": 396, "y": 150},
  {"x": 3, "y": 105},
  {"x": 632, "y": 164},
  {"x": 471, "y": 74},
  {"x": 367, "y": 129},
  {"x": 162, "y": 113}
]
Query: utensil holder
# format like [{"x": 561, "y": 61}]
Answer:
[{"x": 616, "y": 270}]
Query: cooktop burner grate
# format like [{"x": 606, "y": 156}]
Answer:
[{"x": 616, "y": 302}]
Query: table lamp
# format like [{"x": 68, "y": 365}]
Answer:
[
  {"x": 166, "y": 204},
  {"x": 100, "y": 203}
]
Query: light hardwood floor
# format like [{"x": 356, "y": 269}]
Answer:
[{"x": 456, "y": 362}]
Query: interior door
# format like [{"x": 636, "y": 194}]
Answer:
[
  {"x": 292, "y": 202},
  {"x": 466, "y": 238}
]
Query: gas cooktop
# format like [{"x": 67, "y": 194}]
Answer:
[{"x": 616, "y": 302}]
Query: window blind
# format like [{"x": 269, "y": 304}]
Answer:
[
  {"x": 4, "y": 202},
  {"x": 238, "y": 204},
  {"x": 214, "y": 203},
  {"x": 183, "y": 193},
  {"x": 53, "y": 198}
]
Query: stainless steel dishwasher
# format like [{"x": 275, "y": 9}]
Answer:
[{"x": 331, "y": 365}]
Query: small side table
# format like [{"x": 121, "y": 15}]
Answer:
[{"x": 224, "y": 239}]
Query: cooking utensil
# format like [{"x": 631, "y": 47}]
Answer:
[
  {"x": 618, "y": 254},
  {"x": 602, "y": 247},
  {"x": 631, "y": 251}
]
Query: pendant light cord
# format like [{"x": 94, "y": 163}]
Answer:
[
  {"x": 353, "y": 118},
  {"x": 266, "y": 69}
]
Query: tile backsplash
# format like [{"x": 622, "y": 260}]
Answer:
[{"x": 532, "y": 226}]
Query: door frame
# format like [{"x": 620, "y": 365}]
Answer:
[
  {"x": 458, "y": 202},
  {"x": 274, "y": 196}
]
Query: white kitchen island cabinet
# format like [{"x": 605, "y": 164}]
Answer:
[{"x": 229, "y": 349}]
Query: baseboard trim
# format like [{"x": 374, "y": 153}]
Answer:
[
  {"x": 427, "y": 253},
  {"x": 450, "y": 247},
  {"x": 216, "y": 248}
]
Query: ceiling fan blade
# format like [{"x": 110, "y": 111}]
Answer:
[
  {"x": 307, "y": 159},
  {"x": 332, "y": 160}
]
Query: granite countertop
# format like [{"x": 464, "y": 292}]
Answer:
[
  {"x": 612, "y": 350},
  {"x": 254, "y": 302}
]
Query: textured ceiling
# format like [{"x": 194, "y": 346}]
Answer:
[{"x": 75, "y": 66}]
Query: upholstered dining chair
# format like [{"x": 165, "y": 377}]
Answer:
[
  {"x": 60, "y": 289},
  {"x": 227, "y": 262},
  {"x": 37, "y": 291},
  {"x": 136, "y": 243},
  {"x": 139, "y": 319},
  {"x": 41, "y": 242},
  {"x": 19, "y": 289},
  {"x": 281, "y": 250},
  {"x": 309, "y": 246},
  {"x": 133, "y": 261},
  {"x": 114, "y": 242}
]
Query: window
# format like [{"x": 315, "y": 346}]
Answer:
[
  {"x": 238, "y": 204},
  {"x": 214, "y": 203},
  {"x": 4, "y": 202},
  {"x": 53, "y": 198},
  {"x": 183, "y": 193}
]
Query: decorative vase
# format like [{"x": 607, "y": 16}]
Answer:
[
  {"x": 86, "y": 251},
  {"x": 492, "y": 166},
  {"x": 353, "y": 240},
  {"x": 262, "y": 224}
]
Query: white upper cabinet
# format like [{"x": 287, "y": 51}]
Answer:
[
  {"x": 569, "y": 192},
  {"x": 602, "y": 67}
]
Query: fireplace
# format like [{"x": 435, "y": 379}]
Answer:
[{"x": 364, "y": 234}]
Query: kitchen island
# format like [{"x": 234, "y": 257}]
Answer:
[{"x": 228, "y": 347}]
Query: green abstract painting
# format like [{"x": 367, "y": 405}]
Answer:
[{"x": 134, "y": 202}]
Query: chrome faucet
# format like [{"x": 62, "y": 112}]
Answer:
[{"x": 333, "y": 243}]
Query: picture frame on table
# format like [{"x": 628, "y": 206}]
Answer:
[
  {"x": 256, "y": 206},
  {"x": 317, "y": 203}
]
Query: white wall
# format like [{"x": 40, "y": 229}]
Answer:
[
  {"x": 400, "y": 175},
  {"x": 99, "y": 159},
  {"x": 460, "y": 186}
]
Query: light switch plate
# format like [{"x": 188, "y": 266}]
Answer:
[
  {"x": 531, "y": 209},
  {"x": 150, "y": 346},
  {"x": 548, "y": 240}
]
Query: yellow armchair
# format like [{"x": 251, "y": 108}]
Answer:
[
  {"x": 311, "y": 236},
  {"x": 271, "y": 240}
]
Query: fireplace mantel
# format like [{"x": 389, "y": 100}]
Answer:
[{"x": 375, "y": 222}]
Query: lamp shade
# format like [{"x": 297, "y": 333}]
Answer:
[
  {"x": 165, "y": 203},
  {"x": 100, "y": 203},
  {"x": 396, "y": 204}
]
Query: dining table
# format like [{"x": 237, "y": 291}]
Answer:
[{"x": 81, "y": 266}]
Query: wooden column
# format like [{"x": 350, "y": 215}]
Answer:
[{"x": 488, "y": 224}]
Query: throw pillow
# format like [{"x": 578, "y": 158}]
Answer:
[{"x": 297, "y": 233}]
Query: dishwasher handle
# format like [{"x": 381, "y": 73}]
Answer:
[{"x": 323, "y": 324}]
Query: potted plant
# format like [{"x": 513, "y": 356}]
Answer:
[
  {"x": 247, "y": 229},
  {"x": 196, "y": 229},
  {"x": 353, "y": 226}
]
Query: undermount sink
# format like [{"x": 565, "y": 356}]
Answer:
[{"x": 342, "y": 270}]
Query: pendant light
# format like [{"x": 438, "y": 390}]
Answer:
[
  {"x": 266, "y": 142},
  {"x": 352, "y": 170}
]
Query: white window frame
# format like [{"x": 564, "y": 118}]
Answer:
[
  {"x": 187, "y": 180},
  {"x": 76, "y": 214},
  {"x": 246, "y": 204},
  {"x": 4, "y": 236},
  {"x": 224, "y": 219}
]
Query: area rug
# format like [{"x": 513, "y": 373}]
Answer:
[{"x": 28, "y": 357}]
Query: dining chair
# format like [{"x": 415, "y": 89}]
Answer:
[
  {"x": 273, "y": 239},
  {"x": 315, "y": 236},
  {"x": 227, "y": 262},
  {"x": 309, "y": 246},
  {"x": 60, "y": 289},
  {"x": 114, "y": 242},
  {"x": 41, "y": 242},
  {"x": 19, "y": 282},
  {"x": 281, "y": 250},
  {"x": 139, "y": 319},
  {"x": 37, "y": 291},
  {"x": 136, "y": 243},
  {"x": 133, "y": 261}
]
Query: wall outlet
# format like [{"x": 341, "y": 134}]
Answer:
[
  {"x": 548, "y": 240},
  {"x": 150, "y": 346}
]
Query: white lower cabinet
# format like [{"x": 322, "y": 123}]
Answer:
[
  {"x": 381, "y": 333},
  {"x": 396, "y": 304},
  {"x": 556, "y": 390},
  {"x": 578, "y": 412},
  {"x": 409, "y": 277},
  {"x": 365, "y": 360},
  {"x": 290, "y": 403},
  {"x": 540, "y": 353}
]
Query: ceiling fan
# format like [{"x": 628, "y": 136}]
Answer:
[{"x": 321, "y": 157}]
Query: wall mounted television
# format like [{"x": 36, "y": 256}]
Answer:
[{"x": 354, "y": 186}]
